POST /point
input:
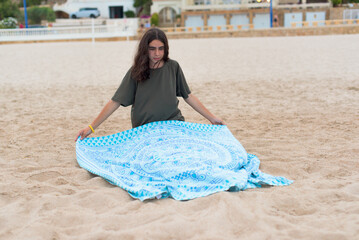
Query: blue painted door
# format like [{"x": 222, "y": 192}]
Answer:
[
  {"x": 194, "y": 21},
  {"x": 261, "y": 20},
  {"x": 216, "y": 20},
  {"x": 240, "y": 19},
  {"x": 315, "y": 16},
  {"x": 293, "y": 17}
]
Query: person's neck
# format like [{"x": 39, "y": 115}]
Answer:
[{"x": 156, "y": 64}]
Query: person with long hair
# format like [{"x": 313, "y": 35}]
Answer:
[{"x": 152, "y": 86}]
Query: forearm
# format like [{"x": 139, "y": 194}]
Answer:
[
  {"x": 107, "y": 110},
  {"x": 193, "y": 101}
]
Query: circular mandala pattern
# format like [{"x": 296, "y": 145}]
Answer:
[{"x": 173, "y": 158}]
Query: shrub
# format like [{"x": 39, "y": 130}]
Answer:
[
  {"x": 36, "y": 14},
  {"x": 130, "y": 14},
  {"x": 155, "y": 19},
  {"x": 336, "y": 2},
  {"x": 8, "y": 23}
]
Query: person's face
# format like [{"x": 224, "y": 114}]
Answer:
[{"x": 156, "y": 50}]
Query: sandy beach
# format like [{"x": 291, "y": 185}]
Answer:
[{"x": 292, "y": 101}]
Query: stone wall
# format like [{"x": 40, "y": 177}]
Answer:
[{"x": 336, "y": 13}]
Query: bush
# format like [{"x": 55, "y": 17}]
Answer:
[
  {"x": 155, "y": 19},
  {"x": 130, "y": 14},
  {"x": 37, "y": 14},
  {"x": 8, "y": 23},
  {"x": 336, "y": 2}
]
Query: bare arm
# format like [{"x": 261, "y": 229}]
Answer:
[
  {"x": 193, "y": 101},
  {"x": 108, "y": 109}
]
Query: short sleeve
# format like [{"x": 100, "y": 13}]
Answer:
[
  {"x": 182, "y": 89},
  {"x": 125, "y": 94}
]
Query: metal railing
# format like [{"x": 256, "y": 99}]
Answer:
[{"x": 118, "y": 29}]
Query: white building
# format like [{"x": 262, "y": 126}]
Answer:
[
  {"x": 244, "y": 13},
  {"x": 108, "y": 8}
]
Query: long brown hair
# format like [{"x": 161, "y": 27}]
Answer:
[{"x": 141, "y": 66}]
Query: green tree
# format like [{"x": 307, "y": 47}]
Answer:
[
  {"x": 8, "y": 9},
  {"x": 31, "y": 3},
  {"x": 144, "y": 5}
]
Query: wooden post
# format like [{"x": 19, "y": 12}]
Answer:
[
  {"x": 250, "y": 18},
  {"x": 205, "y": 19},
  {"x": 183, "y": 18},
  {"x": 228, "y": 18}
]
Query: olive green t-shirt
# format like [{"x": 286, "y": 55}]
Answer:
[{"x": 156, "y": 98}]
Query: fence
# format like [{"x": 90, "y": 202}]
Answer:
[
  {"x": 224, "y": 28},
  {"x": 126, "y": 29},
  {"x": 207, "y": 28},
  {"x": 325, "y": 23}
]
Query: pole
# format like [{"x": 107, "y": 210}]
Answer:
[
  {"x": 271, "y": 13},
  {"x": 93, "y": 30},
  {"x": 25, "y": 13}
]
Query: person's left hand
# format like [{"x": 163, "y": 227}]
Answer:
[{"x": 217, "y": 121}]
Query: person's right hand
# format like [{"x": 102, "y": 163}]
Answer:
[{"x": 83, "y": 133}]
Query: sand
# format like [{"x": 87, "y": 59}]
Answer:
[{"x": 292, "y": 101}]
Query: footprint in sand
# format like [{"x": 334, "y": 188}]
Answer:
[
  {"x": 353, "y": 88},
  {"x": 45, "y": 176}
]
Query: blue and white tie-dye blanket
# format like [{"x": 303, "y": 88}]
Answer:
[{"x": 174, "y": 159}]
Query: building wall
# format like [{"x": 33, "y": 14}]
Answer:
[{"x": 336, "y": 13}]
